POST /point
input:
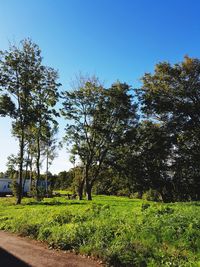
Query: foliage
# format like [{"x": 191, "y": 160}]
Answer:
[
  {"x": 170, "y": 96},
  {"x": 64, "y": 180},
  {"x": 18, "y": 78},
  {"x": 99, "y": 121},
  {"x": 37, "y": 193},
  {"x": 28, "y": 96},
  {"x": 152, "y": 195},
  {"x": 15, "y": 189},
  {"x": 113, "y": 153}
]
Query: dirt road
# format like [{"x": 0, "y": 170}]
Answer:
[{"x": 16, "y": 251}]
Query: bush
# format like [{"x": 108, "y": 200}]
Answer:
[
  {"x": 61, "y": 219},
  {"x": 136, "y": 195},
  {"x": 37, "y": 193},
  {"x": 123, "y": 192},
  {"x": 152, "y": 195},
  {"x": 123, "y": 254}
]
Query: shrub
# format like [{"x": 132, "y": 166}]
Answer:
[
  {"x": 123, "y": 192},
  {"x": 152, "y": 195},
  {"x": 136, "y": 195},
  {"x": 37, "y": 193},
  {"x": 128, "y": 254},
  {"x": 62, "y": 218}
]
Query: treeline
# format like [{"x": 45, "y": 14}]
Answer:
[{"x": 122, "y": 140}]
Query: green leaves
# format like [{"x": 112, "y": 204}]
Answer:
[
  {"x": 171, "y": 96},
  {"x": 99, "y": 120},
  {"x": 29, "y": 93},
  {"x": 7, "y": 107}
]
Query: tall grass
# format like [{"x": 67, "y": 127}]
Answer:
[{"x": 120, "y": 231}]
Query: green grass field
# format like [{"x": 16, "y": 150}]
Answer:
[{"x": 118, "y": 230}]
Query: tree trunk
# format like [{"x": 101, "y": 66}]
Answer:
[
  {"x": 47, "y": 170},
  {"x": 19, "y": 193},
  {"x": 31, "y": 174},
  {"x": 89, "y": 192},
  {"x": 87, "y": 184},
  {"x": 26, "y": 172},
  {"x": 38, "y": 165},
  {"x": 80, "y": 190}
]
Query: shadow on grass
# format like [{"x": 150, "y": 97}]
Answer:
[
  {"x": 197, "y": 204},
  {"x": 8, "y": 260},
  {"x": 54, "y": 203}
]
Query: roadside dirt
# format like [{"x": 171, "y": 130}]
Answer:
[{"x": 16, "y": 251}]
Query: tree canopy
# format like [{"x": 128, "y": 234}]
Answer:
[
  {"x": 121, "y": 141},
  {"x": 100, "y": 119}
]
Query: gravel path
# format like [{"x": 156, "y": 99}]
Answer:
[{"x": 18, "y": 251}]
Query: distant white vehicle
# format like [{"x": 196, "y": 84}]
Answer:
[{"x": 5, "y": 186}]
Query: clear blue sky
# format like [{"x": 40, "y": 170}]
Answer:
[{"x": 114, "y": 39}]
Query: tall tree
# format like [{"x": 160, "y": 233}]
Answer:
[
  {"x": 171, "y": 95},
  {"x": 22, "y": 75},
  {"x": 45, "y": 98},
  {"x": 100, "y": 119},
  {"x": 19, "y": 69}
]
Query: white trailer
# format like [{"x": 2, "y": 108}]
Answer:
[{"x": 6, "y": 186}]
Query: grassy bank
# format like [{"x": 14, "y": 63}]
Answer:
[{"x": 120, "y": 231}]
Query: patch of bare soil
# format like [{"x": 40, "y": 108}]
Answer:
[{"x": 16, "y": 251}]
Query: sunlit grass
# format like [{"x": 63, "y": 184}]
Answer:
[{"x": 121, "y": 231}]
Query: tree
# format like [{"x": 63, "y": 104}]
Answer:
[
  {"x": 22, "y": 77},
  {"x": 151, "y": 160},
  {"x": 50, "y": 149},
  {"x": 64, "y": 180},
  {"x": 171, "y": 95},
  {"x": 100, "y": 119},
  {"x": 18, "y": 76},
  {"x": 12, "y": 164},
  {"x": 45, "y": 98}
]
